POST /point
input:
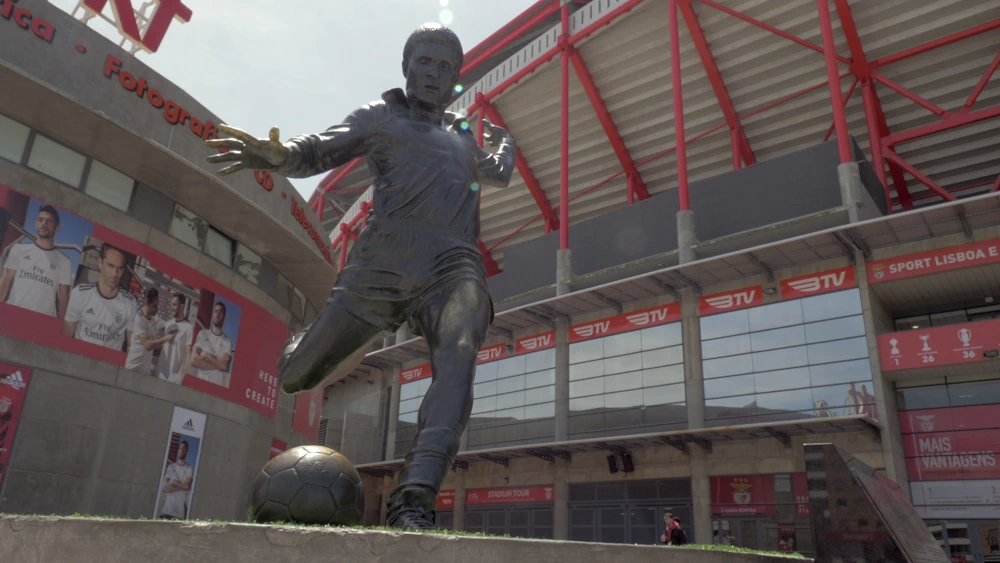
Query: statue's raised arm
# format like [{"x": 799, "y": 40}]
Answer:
[{"x": 247, "y": 151}]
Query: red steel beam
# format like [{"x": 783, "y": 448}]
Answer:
[
  {"x": 528, "y": 175},
  {"x": 918, "y": 175},
  {"x": 947, "y": 40},
  {"x": 967, "y": 106},
  {"x": 996, "y": 185},
  {"x": 938, "y": 111},
  {"x": 608, "y": 123},
  {"x": 770, "y": 28},
  {"x": 564, "y": 132},
  {"x": 953, "y": 121},
  {"x": 715, "y": 79},
  {"x": 847, "y": 98},
  {"x": 683, "y": 193},
  {"x": 492, "y": 268},
  {"x": 898, "y": 179},
  {"x": 836, "y": 96},
  {"x": 480, "y": 53},
  {"x": 580, "y": 35}
]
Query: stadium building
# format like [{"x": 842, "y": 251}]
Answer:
[
  {"x": 144, "y": 300},
  {"x": 737, "y": 227}
]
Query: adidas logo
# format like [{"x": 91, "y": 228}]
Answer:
[
  {"x": 189, "y": 425},
  {"x": 90, "y": 311},
  {"x": 15, "y": 380}
]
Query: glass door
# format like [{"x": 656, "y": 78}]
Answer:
[
  {"x": 741, "y": 532},
  {"x": 642, "y": 525}
]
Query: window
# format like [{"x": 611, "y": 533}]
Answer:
[
  {"x": 794, "y": 359},
  {"x": 514, "y": 401},
  {"x": 108, "y": 185},
  {"x": 52, "y": 159},
  {"x": 13, "y": 139},
  {"x": 247, "y": 263},
  {"x": 627, "y": 383},
  {"x": 188, "y": 227},
  {"x": 219, "y": 246}
]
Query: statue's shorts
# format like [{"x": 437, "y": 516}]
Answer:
[{"x": 397, "y": 264}]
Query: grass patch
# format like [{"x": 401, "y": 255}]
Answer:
[
  {"x": 78, "y": 515},
  {"x": 736, "y": 549}
]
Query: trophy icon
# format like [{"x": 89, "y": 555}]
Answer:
[
  {"x": 895, "y": 350},
  {"x": 925, "y": 338},
  {"x": 965, "y": 335}
]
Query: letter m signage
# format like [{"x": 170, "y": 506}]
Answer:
[{"x": 128, "y": 24}]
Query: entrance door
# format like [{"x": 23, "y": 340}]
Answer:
[
  {"x": 518, "y": 522},
  {"x": 642, "y": 525},
  {"x": 741, "y": 532}
]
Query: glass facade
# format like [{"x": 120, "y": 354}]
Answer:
[
  {"x": 410, "y": 397},
  {"x": 794, "y": 359},
  {"x": 109, "y": 185},
  {"x": 514, "y": 401},
  {"x": 628, "y": 383},
  {"x": 52, "y": 159},
  {"x": 13, "y": 139}
]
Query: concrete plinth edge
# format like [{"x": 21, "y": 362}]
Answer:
[{"x": 42, "y": 539}]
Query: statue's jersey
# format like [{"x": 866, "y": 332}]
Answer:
[
  {"x": 423, "y": 229},
  {"x": 420, "y": 171}
]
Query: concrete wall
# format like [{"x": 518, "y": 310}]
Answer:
[
  {"x": 92, "y": 435},
  {"x": 790, "y": 186}
]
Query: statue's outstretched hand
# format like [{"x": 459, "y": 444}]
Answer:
[{"x": 248, "y": 151}]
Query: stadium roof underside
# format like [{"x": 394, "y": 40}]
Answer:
[
  {"x": 754, "y": 80},
  {"x": 783, "y": 431}
]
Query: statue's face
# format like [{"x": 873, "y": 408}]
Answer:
[{"x": 431, "y": 73}]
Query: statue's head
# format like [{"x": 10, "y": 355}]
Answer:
[{"x": 432, "y": 59}]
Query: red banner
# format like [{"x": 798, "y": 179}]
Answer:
[
  {"x": 491, "y": 354},
  {"x": 14, "y": 382},
  {"x": 512, "y": 495},
  {"x": 976, "y": 417},
  {"x": 800, "y": 493},
  {"x": 207, "y": 337},
  {"x": 277, "y": 447},
  {"x": 409, "y": 375},
  {"x": 944, "y": 443},
  {"x": 446, "y": 500},
  {"x": 933, "y": 261},
  {"x": 307, "y": 414},
  {"x": 731, "y": 300},
  {"x": 815, "y": 284},
  {"x": 939, "y": 346},
  {"x": 653, "y": 316},
  {"x": 542, "y": 341},
  {"x": 743, "y": 495}
]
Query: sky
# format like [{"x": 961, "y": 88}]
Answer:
[{"x": 301, "y": 65}]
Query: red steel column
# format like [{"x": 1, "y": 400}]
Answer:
[
  {"x": 564, "y": 128},
  {"x": 734, "y": 138},
  {"x": 833, "y": 77},
  {"x": 675, "y": 71}
]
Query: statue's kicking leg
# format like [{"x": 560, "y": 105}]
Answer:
[
  {"x": 454, "y": 321},
  {"x": 329, "y": 348}
]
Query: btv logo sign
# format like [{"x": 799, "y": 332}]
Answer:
[
  {"x": 412, "y": 374},
  {"x": 491, "y": 353},
  {"x": 822, "y": 282},
  {"x": 731, "y": 301},
  {"x": 128, "y": 24},
  {"x": 654, "y": 317},
  {"x": 592, "y": 329},
  {"x": 540, "y": 342}
]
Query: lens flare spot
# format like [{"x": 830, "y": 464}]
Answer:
[
  {"x": 459, "y": 88},
  {"x": 446, "y": 17},
  {"x": 465, "y": 126},
  {"x": 475, "y": 186}
]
